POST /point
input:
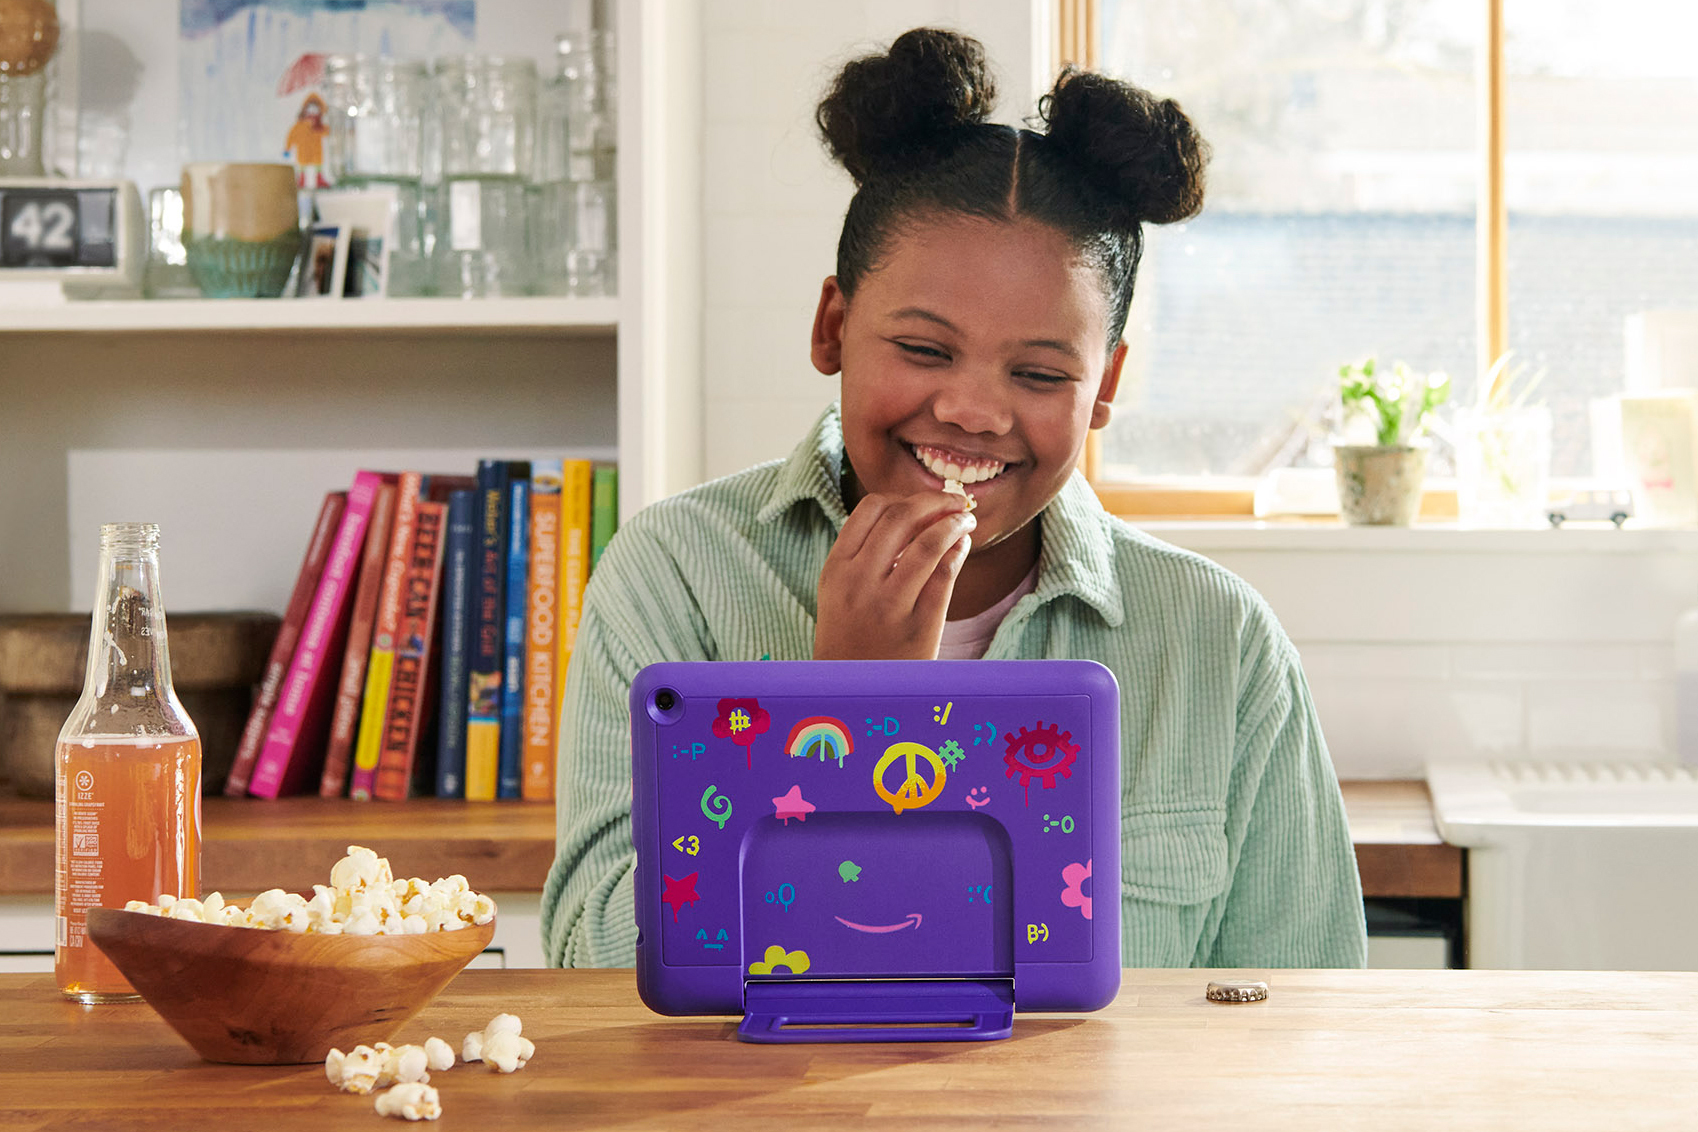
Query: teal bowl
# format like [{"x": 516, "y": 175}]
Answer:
[{"x": 227, "y": 268}]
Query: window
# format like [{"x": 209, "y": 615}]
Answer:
[{"x": 1341, "y": 211}]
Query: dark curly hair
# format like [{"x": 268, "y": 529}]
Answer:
[{"x": 910, "y": 127}]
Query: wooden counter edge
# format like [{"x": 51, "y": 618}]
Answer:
[{"x": 508, "y": 846}]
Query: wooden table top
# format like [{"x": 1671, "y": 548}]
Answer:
[
  {"x": 1328, "y": 1050},
  {"x": 250, "y": 845}
]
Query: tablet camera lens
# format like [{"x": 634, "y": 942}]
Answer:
[{"x": 665, "y": 700}]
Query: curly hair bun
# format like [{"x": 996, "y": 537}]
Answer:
[
  {"x": 1140, "y": 152},
  {"x": 889, "y": 112}
]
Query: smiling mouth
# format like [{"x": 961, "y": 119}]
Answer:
[{"x": 947, "y": 465}]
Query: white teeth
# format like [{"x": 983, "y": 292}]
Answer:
[{"x": 947, "y": 470}]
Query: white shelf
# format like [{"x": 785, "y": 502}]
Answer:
[{"x": 567, "y": 316}]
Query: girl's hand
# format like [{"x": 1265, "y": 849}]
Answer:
[{"x": 885, "y": 586}]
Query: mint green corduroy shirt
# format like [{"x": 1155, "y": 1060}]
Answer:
[{"x": 1235, "y": 851}]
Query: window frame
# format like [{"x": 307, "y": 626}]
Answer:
[{"x": 1078, "y": 41}]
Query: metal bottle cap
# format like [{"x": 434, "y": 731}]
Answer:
[{"x": 1237, "y": 991}]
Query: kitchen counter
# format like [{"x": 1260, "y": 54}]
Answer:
[
  {"x": 250, "y": 845},
  {"x": 1390, "y": 1050}
]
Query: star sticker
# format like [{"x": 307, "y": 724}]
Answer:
[
  {"x": 793, "y": 805},
  {"x": 679, "y": 893}
]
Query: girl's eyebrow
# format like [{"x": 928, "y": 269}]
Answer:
[{"x": 933, "y": 317}]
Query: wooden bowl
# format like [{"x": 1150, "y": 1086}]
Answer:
[{"x": 249, "y": 996}]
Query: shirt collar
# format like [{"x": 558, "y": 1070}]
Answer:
[{"x": 1078, "y": 548}]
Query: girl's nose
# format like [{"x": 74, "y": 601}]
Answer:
[{"x": 975, "y": 401}]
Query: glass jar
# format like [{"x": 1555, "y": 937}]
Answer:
[
  {"x": 126, "y": 770},
  {"x": 31, "y": 37},
  {"x": 576, "y": 159},
  {"x": 378, "y": 108},
  {"x": 487, "y": 111}
]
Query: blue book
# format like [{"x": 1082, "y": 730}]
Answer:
[
  {"x": 489, "y": 613},
  {"x": 458, "y": 582},
  {"x": 512, "y": 765}
]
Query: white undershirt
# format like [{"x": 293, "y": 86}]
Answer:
[{"x": 968, "y": 638}]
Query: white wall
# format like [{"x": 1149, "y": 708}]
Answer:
[
  {"x": 1429, "y": 644},
  {"x": 772, "y": 203}
]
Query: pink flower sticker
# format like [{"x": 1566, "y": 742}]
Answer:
[
  {"x": 740, "y": 720},
  {"x": 1073, "y": 896}
]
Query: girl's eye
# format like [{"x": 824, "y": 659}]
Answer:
[
  {"x": 1042, "y": 377},
  {"x": 916, "y": 350}
]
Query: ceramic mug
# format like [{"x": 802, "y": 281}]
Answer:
[{"x": 241, "y": 227}]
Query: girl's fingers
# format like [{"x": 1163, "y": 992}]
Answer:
[
  {"x": 860, "y": 524},
  {"x": 933, "y": 601},
  {"x": 921, "y": 559},
  {"x": 898, "y": 524}
]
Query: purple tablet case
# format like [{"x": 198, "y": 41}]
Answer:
[{"x": 876, "y": 850}]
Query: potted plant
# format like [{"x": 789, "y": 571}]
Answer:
[{"x": 1380, "y": 460}]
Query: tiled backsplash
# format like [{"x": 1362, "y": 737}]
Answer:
[{"x": 1442, "y": 643}]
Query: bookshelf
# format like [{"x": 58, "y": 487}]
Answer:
[
  {"x": 424, "y": 316},
  {"x": 615, "y": 376}
]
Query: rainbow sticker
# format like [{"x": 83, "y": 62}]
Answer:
[{"x": 820, "y": 736}]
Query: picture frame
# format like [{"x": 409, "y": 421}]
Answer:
[
  {"x": 324, "y": 264},
  {"x": 370, "y": 217}
]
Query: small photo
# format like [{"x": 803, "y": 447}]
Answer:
[
  {"x": 369, "y": 216},
  {"x": 326, "y": 264}
]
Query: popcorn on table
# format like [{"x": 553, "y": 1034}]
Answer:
[
  {"x": 499, "y": 1045},
  {"x": 362, "y": 898},
  {"x": 410, "y": 1101}
]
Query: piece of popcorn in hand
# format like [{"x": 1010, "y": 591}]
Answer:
[
  {"x": 439, "y": 1055},
  {"x": 410, "y": 1101}
]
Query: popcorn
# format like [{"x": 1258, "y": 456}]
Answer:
[
  {"x": 439, "y": 1055},
  {"x": 373, "y": 1067},
  {"x": 362, "y": 898},
  {"x": 499, "y": 1045},
  {"x": 410, "y": 1101},
  {"x": 953, "y": 487}
]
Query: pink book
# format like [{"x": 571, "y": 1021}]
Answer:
[{"x": 301, "y": 719}]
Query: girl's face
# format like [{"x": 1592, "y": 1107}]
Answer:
[{"x": 974, "y": 350}]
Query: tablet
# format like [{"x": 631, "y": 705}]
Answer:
[{"x": 876, "y": 850}]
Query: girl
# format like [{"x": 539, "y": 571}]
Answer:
[{"x": 983, "y": 279}]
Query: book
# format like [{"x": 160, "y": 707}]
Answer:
[
  {"x": 301, "y": 720},
  {"x": 510, "y": 767},
  {"x": 458, "y": 579},
  {"x": 410, "y": 683},
  {"x": 345, "y": 716},
  {"x": 483, "y": 669},
  {"x": 577, "y": 486},
  {"x": 541, "y": 647},
  {"x": 604, "y": 510},
  {"x": 381, "y": 663},
  {"x": 283, "y": 647}
]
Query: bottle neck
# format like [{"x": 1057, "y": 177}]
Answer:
[{"x": 128, "y": 658}]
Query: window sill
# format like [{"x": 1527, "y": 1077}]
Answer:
[{"x": 1440, "y": 538}]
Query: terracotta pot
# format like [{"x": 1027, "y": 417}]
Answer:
[{"x": 1379, "y": 486}]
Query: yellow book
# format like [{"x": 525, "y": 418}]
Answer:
[
  {"x": 576, "y": 488},
  {"x": 381, "y": 666}
]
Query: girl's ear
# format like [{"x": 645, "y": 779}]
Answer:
[
  {"x": 827, "y": 349},
  {"x": 1103, "y": 406}
]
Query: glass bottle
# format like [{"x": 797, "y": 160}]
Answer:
[
  {"x": 576, "y": 155},
  {"x": 487, "y": 108},
  {"x": 126, "y": 770}
]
